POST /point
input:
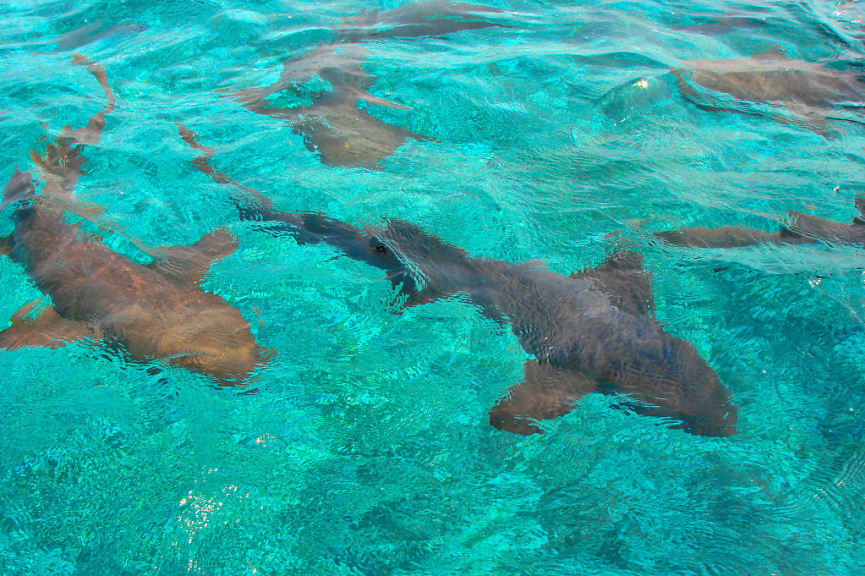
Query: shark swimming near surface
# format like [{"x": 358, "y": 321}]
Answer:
[
  {"x": 152, "y": 312},
  {"x": 333, "y": 124},
  {"x": 433, "y": 18},
  {"x": 336, "y": 123},
  {"x": 592, "y": 331},
  {"x": 806, "y": 94},
  {"x": 801, "y": 229}
]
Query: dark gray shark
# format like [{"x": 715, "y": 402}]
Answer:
[
  {"x": 156, "y": 311},
  {"x": 589, "y": 332},
  {"x": 801, "y": 229}
]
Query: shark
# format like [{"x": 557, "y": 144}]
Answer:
[
  {"x": 593, "y": 331},
  {"x": 801, "y": 228},
  {"x": 151, "y": 312},
  {"x": 335, "y": 121},
  {"x": 807, "y": 93},
  {"x": 433, "y": 18}
]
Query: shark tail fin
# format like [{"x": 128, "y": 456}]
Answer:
[{"x": 19, "y": 187}]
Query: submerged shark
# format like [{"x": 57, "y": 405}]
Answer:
[
  {"x": 801, "y": 229},
  {"x": 335, "y": 121},
  {"x": 334, "y": 124},
  {"x": 592, "y": 331},
  {"x": 809, "y": 93},
  {"x": 156, "y": 311},
  {"x": 434, "y": 18}
]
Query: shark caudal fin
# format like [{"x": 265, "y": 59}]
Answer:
[{"x": 19, "y": 187}]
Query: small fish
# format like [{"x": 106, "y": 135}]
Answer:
[
  {"x": 157, "y": 311},
  {"x": 592, "y": 331}
]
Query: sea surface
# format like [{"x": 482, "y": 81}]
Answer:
[{"x": 363, "y": 447}]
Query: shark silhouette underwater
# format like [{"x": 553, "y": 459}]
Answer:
[
  {"x": 589, "y": 332},
  {"x": 152, "y": 312},
  {"x": 801, "y": 229},
  {"x": 335, "y": 121},
  {"x": 800, "y": 93}
]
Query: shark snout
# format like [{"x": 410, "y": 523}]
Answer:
[{"x": 719, "y": 421}]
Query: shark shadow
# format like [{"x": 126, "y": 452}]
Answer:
[
  {"x": 157, "y": 311},
  {"x": 336, "y": 122},
  {"x": 592, "y": 331},
  {"x": 809, "y": 94},
  {"x": 801, "y": 229}
]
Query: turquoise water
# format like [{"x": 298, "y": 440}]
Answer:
[{"x": 367, "y": 448}]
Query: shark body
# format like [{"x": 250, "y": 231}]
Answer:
[
  {"x": 152, "y": 312},
  {"x": 808, "y": 93},
  {"x": 433, "y": 18},
  {"x": 801, "y": 228},
  {"x": 589, "y": 332},
  {"x": 337, "y": 124},
  {"x": 334, "y": 124}
]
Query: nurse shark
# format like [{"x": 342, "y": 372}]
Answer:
[
  {"x": 809, "y": 93},
  {"x": 156, "y": 311},
  {"x": 435, "y": 18},
  {"x": 335, "y": 123},
  {"x": 592, "y": 331},
  {"x": 801, "y": 229}
]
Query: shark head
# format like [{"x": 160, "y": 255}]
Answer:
[
  {"x": 677, "y": 383},
  {"x": 215, "y": 341}
]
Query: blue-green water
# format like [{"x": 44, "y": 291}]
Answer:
[{"x": 367, "y": 448}]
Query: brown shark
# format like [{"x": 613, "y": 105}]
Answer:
[
  {"x": 336, "y": 123},
  {"x": 592, "y": 331},
  {"x": 435, "y": 18},
  {"x": 801, "y": 229},
  {"x": 808, "y": 92},
  {"x": 153, "y": 312}
]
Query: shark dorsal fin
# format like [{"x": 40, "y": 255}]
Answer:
[
  {"x": 190, "y": 263},
  {"x": 622, "y": 278},
  {"x": 771, "y": 54}
]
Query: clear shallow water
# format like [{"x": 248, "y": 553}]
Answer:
[{"x": 367, "y": 448}]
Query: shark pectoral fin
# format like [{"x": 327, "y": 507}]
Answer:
[
  {"x": 546, "y": 392},
  {"x": 190, "y": 263},
  {"x": 34, "y": 325},
  {"x": 622, "y": 278}
]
